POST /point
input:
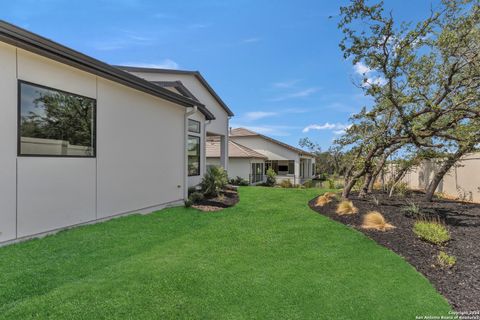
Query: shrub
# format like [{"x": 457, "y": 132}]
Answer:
[
  {"x": 321, "y": 201},
  {"x": 271, "y": 178},
  {"x": 375, "y": 220},
  {"x": 331, "y": 183},
  {"x": 322, "y": 176},
  {"x": 214, "y": 181},
  {"x": 286, "y": 183},
  {"x": 239, "y": 181},
  {"x": 401, "y": 189},
  {"x": 413, "y": 210},
  {"x": 446, "y": 260},
  {"x": 377, "y": 185},
  {"x": 308, "y": 184},
  {"x": 188, "y": 203},
  {"x": 346, "y": 207},
  {"x": 196, "y": 197},
  {"x": 432, "y": 230}
]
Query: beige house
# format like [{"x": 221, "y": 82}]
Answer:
[
  {"x": 243, "y": 162},
  {"x": 83, "y": 141},
  {"x": 287, "y": 161}
]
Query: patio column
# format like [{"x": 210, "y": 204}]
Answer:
[{"x": 224, "y": 152}]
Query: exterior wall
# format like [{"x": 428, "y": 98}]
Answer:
[
  {"x": 8, "y": 142},
  {"x": 218, "y": 126},
  {"x": 140, "y": 150},
  {"x": 461, "y": 181},
  {"x": 237, "y": 167},
  {"x": 138, "y": 165}
]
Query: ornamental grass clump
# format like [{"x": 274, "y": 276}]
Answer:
[
  {"x": 330, "y": 195},
  {"x": 346, "y": 207},
  {"x": 321, "y": 201},
  {"x": 375, "y": 220},
  {"x": 445, "y": 260},
  {"x": 431, "y": 230}
]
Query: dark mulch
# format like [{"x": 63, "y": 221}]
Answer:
[
  {"x": 460, "y": 284},
  {"x": 227, "y": 198}
]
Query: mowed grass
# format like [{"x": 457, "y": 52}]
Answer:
[{"x": 270, "y": 257}]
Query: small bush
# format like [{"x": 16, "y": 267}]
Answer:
[
  {"x": 413, "y": 210},
  {"x": 196, "y": 197},
  {"x": 331, "y": 183},
  {"x": 377, "y": 185},
  {"x": 432, "y": 231},
  {"x": 346, "y": 207},
  {"x": 376, "y": 201},
  {"x": 308, "y": 184},
  {"x": 271, "y": 178},
  {"x": 375, "y": 220},
  {"x": 188, "y": 203},
  {"x": 322, "y": 176},
  {"x": 214, "y": 181},
  {"x": 239, "y": 181},
  {"x": 321, "y": 201},
  {"x": 446, "y": 260},
  {"x": 286, "y": 183},
  {"x": 401, "y": 189}
]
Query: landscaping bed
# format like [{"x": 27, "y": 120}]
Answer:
[
  {"x": 460, "y": 284},
  {"x": 226, "y": 199}
]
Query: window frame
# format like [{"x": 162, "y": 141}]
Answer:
[
  {"x": 19, "y": 122},
  {"x": 196, "y": 122},
  {"x": 199, "y": 156}
]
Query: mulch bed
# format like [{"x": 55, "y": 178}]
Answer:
[
  {"x": 227, "y": 198},
  {"x": 460, "y": 284}
]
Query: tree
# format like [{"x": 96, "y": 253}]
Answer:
[{"x": 423, "y": 79}]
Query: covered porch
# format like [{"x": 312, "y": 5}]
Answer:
[{"x": 297, "y": 171}]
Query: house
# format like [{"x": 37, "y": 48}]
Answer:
[
  {"x": 287, "y": 161},
  {"x": 83, "y": 141},
  {"x": 243, "y": 162}
]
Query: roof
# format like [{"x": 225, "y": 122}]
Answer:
[
  {"x": 243, "y": 132},
  {"x": 178, "y": 85},
  {"x": 32, "y": 42},
  {"x": 235, "y": 150},
  {"x": 197, "y": 75}
]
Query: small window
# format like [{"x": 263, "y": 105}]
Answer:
[
  {"x": 55, "y": 123},
  {"x": 193, "y": 126},
  {"x": 193, "y": 156}
]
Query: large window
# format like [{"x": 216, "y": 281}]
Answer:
[
  {"x": 193, "y": 156},
  {"x": 55, "y": 123}
]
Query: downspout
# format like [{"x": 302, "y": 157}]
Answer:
[{"x": 185, "y": 152}]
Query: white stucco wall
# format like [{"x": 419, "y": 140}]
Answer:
[
  {"x": 271, "y": 150},
  {"x": 220, "y": 124},
  {"x": 139, "y": 162},
  {"x": 8, "y": 142}
]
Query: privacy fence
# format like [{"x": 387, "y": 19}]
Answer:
[{"x": 462, "y": 181}]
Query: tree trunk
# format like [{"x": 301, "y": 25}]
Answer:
[
  {"x": 398, "y": 177},
  {"x": 366, "y": 184},
  {"x": 449, "y": 162}
]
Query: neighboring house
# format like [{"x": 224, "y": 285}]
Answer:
[
  {"x": 287, "y": 161},
  {"x": 82, "y": 141},
  {"x": 243, "y": 162}
]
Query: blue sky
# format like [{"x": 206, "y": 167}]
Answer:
[{"x": 277, "y": 64}]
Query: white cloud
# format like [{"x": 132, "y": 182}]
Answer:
[
  {"x": 298, "y": 94},
  {"x": 326, "y": 126},
  {"x": 286, "y": 84},
  {"x": 164, "y": 64},
  {"x": 251, "y": 40},
  {"x": 361, "y": 69},
  {"x": 255, "y": 115}
]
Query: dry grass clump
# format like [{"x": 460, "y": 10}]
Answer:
[
  {"x": 346, "y": 207},
  {"x": 322, "y": 200},
  {"x": 330, "y": 195},
  {"x": 375, "y": 220}
]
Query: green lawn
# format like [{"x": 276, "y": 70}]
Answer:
[{"x": 270, "y": 257}]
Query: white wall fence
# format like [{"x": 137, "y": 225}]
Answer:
[
  {"x": 51, "y": 146},
  {"x": 462, "y": 181}
]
